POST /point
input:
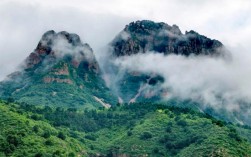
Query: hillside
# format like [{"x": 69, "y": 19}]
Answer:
[
  {"x": 22, "y": 136},
  {"x": 62, "y": 102},
  {"x": 128, "y": 130},
  {"x": 150, "y": 60},
  {"x": 62, "y": 71},
  {"x": 149, "y": 37}
]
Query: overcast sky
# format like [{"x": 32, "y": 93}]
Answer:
[{"x": 98, "y": 21}]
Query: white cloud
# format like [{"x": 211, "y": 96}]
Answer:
[
  {"x": 211, "y": 81},
  {"x": 97, "y": 22}
]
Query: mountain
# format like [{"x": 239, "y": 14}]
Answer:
[
  {"x": 62, "y": 66},
  {"x": 144, "y": 37},
  {"x": 61, "y": 71},
  {"x": 58, "y": 103},
  {"x": 140, "y": 129},
  {"x": 141, "y": 38}
]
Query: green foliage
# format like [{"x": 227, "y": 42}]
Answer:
[
  {"x": 91, "y": 137},
  {"x": 35, "y": 128},
  {"x": 129, "y": 133},
  {"x": 145, "y": 135},
  {"x": 84, "y": 85},
  {"x": 23, "y": 136},
  {"x": 46, "y": 134},
  {"x": 135, "y": 130},
  {"x": 49, "y": 142},
  {"x": 61, "y": 135}
]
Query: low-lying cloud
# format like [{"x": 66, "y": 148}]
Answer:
[
  {"x": 211, "y": 81},
  {"x": 24, "y": 22}
]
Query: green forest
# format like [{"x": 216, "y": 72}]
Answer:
[{"x": 139, "y": 129}]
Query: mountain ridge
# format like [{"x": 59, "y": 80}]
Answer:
[
  {"x": 60, "y": 65},
  {"x": 144, "y": 36},
  {"x": 63, "y": 71},
  {"x": 60, "y": 97}
]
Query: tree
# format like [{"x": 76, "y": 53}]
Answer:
[
  {"x": 168, "y": 129},
  {"x": 49, "y": 143},
  {"x": 91, "y": 137},
  {"x": 71, "y": 154},
  {"x": 13, "y": 139},
  {"x": 46, "y": 134},
  {"x": 129, "y": 133},
  {"x": 146, "y": 135},
  {"x": 10, "y": 100},
  {"x": 182, "y": 123},
  {"x": 39, "y": 155},
  {"x": 35, "y": 128},
  {"x": 61, "y": 135}
]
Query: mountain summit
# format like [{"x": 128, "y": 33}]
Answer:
[
  {"x": 54, "y": 46},
  {"x": 62, "y": 66},
  {"x": 61, "y": 71},
  {"x": 144, "y": 36}
]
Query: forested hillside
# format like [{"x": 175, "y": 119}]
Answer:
[{"x": 141, "y": 129}]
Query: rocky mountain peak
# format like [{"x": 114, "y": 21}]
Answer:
[
  {"x": 61, "y": 66},
  {"x": 145, "y": 36},
  {"x": 49, "y": 36},
  {"x": 54, "y": 46},
  {"x": 147, "y": 27}
]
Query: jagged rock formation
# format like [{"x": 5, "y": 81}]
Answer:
[
  {"x": 150, "y": 37},
  {"x": 61, "y": 66},
  {"x": 144, "y": 36},
  {"x": 63, "y": 71},
  {"x": 54, "y": 46}
]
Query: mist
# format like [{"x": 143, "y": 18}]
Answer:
[
  {"x": 24, "y": 23},
  {"x": 97, "y": 23},
  {"x": 214, "y": 82}
]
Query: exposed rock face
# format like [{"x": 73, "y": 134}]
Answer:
[
  {"x": 60, "y": 71},
  {"x": 58, "y": 80},
  {"x": 150, "y": 37},
  {"x": 63, "y": 70},
  {"x": 144, "y": 36},
  {"x": 55, "y": 46},
  {"x": 33, "y": 60}
]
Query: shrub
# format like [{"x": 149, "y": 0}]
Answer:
[
  {"x": 182, "y": 123},
  {"x": 48, "y": 143},
  {"x": 234, "y": 136},
  {"x": 36, "y": 117},
  {"x": 46, "y": 134},
  {"x": 13, "y": 139},
  {"x": 156, "y": 150},
  {"x": 61, "y": 135},
  {"x": 218, "y": 122},
  {"x": 57, "y": 153},
  {"x": 129, "y": 133},
  {"x": 146, "y": 135},
  {"x": 169, "y": 129},
  {"x": 177, "y": 118},
  {"x": 91, "y": 137},
  {"x": 71, "y": 154},
  {"x": 39, "y": 155},
  {"x": 10, "y": 100}
]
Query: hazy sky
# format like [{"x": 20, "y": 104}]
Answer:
[{"x": 98, "y": 21}]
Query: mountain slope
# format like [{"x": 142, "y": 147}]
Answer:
[
  {"x": 61, "y": 71},
  {"x": 144, "y": 37},
  {"x": 22, "y": 136},
  {"x": 141, "y": 129}
]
